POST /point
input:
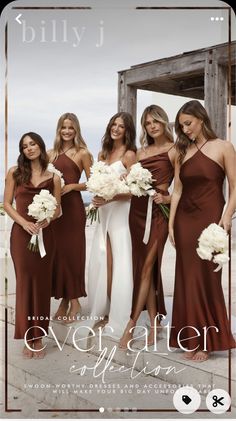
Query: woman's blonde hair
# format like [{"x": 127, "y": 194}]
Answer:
[
  {"x": 159, "y": 115},
  {"x": 79, "y": 142}
]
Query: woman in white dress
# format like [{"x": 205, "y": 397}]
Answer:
[{"x": 110, "y": 278}]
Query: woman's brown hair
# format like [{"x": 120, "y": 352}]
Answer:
[
  {"x": 195, "y": 109},
  {"x": 23, "y": 172},
  {"x": 129, "y": 138}
]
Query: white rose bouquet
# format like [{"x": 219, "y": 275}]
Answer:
[
  {"x": 43, "y": 207},
  {"x": 54, "y": 170},
  {"x": 213, "y": 245},
  {"x": 139, "y": 180},
  {"x": 103, "y": 182}
]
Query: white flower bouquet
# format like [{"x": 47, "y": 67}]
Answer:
[
  {"x": 213, "y": 245},
  {"x": 54, "y": 170},
  {"x": 103, "y": 182},
  {"x": 139, "y": 180},
  {"x": 43, "y": 207}
]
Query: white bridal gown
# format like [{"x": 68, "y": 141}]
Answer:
[{"x": 114, "y": 221}]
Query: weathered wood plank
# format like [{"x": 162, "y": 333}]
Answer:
[
  {"x": 170, "y": 69},
  {"x": 200, "y": 74},
  {"x": 127, "y": 97},
  {"x": 216, "y": 96}
]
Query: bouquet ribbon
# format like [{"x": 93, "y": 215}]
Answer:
[
  {"x": 37, "y": 240},
  {"x": 42, "y": 250},
  {"x": 148, "y": 221},
  {"x": 219, "y": 267}
]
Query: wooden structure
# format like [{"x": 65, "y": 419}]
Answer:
[{"x": 207, "y": 74}]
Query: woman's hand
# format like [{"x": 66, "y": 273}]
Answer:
[
  {"x": 30, "y": 227},
  {"x": 171, "y": 236},
  {"x": 226, "y": 222},
  {"x": 67, "y": 189},
  {"x": 42, "y": 224},
  {"x": 99, "y": 201},
  {"x": 160, "y": 198}
]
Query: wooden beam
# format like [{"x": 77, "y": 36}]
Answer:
[
  {"x": 166, "y": 68},
  {"x": 200, "y": 74},
  {"x": 127, "y": 97},
  {"x": 216, "y": 94}
]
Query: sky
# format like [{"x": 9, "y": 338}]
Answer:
[{"x": 68, "y": 60}]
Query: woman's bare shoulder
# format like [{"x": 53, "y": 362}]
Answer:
[
  {"x": 225, "y": 145},
  {"x": 130, "y": 154},
  {"x": 141, "y": 153},
  {"x": 12, "y": 170}
]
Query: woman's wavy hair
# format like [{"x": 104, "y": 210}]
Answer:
[
  {"x": 195, "y": 109},
  {"x": 79, "y": 142},
  {"x": 23, "y": 172},
  {"x": 159, "y": 115},
  {"x": 129, "y": 138}
]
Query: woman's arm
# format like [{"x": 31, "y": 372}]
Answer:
[
  {"x": 57, "y": 195},
  {"x": 130, "y": 158},
  {"x": 30, "y": 227},
  {"x": 175, "y": 197},
  {"x": 158, "y": 197},
  {"x": 85, "y": 159},
  {"x": 229, "y": 157}
]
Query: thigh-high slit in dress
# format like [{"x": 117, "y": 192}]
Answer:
[{"x": 147, "y": 257}]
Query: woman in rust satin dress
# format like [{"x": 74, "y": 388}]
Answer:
[
  {"x": 197, "y": 201},
  {"x": 70, "y": 156},
  {"x": 33, "y": 273},
  {"x": 157, "y": 155}
]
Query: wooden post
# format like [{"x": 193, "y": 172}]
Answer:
[
  {"x": 216, "y": 93},
  {"x": 127, "y": 97}
]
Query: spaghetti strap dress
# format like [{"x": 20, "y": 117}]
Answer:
[
  {"x": 69, "y": 231},
  {"x": 162, "y": 172},
  {"x": 198, "y": 295},
  {"x": 33, "y": 273}
]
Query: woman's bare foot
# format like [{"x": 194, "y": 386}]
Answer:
[
  {"x": 27, "y": 353},
  {"x": 75, "y": 310},
  {"x": 39, "y": 352},
  {"x": 200, "y": 356},
  {"x": 62, "y": 309},
  {"x": 152, "y": 335},
  {"x": 188, "y": 355},
  {"x": 127, "y": 335}
]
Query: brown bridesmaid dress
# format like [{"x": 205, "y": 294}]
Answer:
[
  {"x": 69, "y": 231},
  {"x": 162, "y": 171},
  {"x": 198, "y": 295},
  {"x": 33, "y": 273}
]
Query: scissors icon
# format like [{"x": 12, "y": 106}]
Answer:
[{"x": 217, "y": 401}]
